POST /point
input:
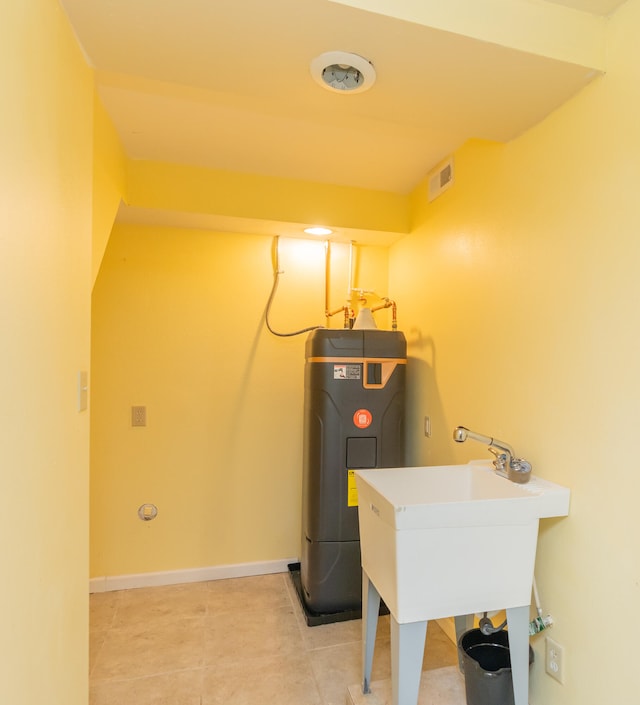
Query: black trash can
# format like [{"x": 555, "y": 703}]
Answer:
[{"x": 487, "y": 667}]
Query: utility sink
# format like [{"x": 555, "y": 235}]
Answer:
[{"x": 453, "y": 539}]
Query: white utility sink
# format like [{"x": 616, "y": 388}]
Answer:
[
  {"x": 446, "y": 541},
  {"x": 452, "y": 539}
]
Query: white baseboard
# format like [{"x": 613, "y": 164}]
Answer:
[{"x": 189, "y": 575}]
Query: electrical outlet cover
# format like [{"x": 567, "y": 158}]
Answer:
[{"x": 554, "y": 659}]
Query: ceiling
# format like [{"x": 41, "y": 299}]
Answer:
[{"x": 225, "y": 84}]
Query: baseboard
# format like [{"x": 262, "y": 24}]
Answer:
[{"x": 189, "y": 575}]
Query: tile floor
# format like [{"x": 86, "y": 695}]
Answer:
[{"x": 242, "y": 641}]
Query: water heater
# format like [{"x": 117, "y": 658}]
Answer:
[{"x": 354, "y": 402}]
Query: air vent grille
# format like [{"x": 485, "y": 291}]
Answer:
[{"x": 441, "y": 178}]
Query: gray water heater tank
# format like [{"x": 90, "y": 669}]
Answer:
[{"x": 354, "y": 405}]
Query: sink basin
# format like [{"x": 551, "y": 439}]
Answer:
[{"x": 453, "y": 539}]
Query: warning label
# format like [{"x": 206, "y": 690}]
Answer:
[
  {"x": 347, "y": 371},
  {"x": 352, "y": 490}
]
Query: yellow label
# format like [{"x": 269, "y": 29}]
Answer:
[{"x": 352, "y": 490}]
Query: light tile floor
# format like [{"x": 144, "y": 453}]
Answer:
[{"x": 242, "y": 641}]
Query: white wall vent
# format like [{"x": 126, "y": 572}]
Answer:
[{"x": 441, "y": 178}]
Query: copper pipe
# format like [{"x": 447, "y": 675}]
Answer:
[
  {"x": 350, "y": 284},
  {"x": 327, "y": 278},
  {"x": 328, "y": 313},
  {"x": 394, "y": 310}
]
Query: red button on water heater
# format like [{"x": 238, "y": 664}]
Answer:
[{"x": 362, "y": 418}]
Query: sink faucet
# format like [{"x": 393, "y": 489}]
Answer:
[{"x": 505, "y": 463}]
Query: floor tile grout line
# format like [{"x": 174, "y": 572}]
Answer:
[
  {"x": 117, "y": 599},
  {"x": 312, "y": 670},
  {"x": 96, "y": 656},
  {"x": 146, "y": 676}
]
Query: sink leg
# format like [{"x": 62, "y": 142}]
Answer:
[
  {"x": 407, "y": 652},
  {"x": 463, "y": 623},
  {"x": 518, "y": 623},
  {"x": 370, "y": 611}
]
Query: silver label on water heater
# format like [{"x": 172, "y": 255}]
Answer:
[{"x": 347, "y": 371}]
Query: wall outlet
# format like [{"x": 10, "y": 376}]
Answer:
[{"x": 554, "y": 659}]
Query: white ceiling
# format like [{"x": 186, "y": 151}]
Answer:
[
  {"x": 596, "y": 7},
  {"x": 226, "y": 84}
]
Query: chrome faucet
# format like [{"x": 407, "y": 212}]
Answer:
[{"x": 505, "y": 463}]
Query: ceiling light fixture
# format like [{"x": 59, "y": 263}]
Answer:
[
  {"x": 318, "y": 231},
  {"x": 343, "y": 72}
]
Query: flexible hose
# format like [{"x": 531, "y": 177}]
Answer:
[
  {"x": 487, "y": 628},
  {"x": 536, "y": 597},
  {"x": 276, "y": 277}
]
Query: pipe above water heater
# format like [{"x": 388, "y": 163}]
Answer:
[
  {"x": 348, "y": 314},
  {"x": 327, "y": 277}
]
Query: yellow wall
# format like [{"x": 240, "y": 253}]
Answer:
[
  {"x": 178, "y": 327},
  {"x": 519, "y": 288},
  {"x": 190, "y": 189},
  {"x": 109, "y": 182},
  {"x": 45, "y": 264},
  {"x": 516, "y": 289}
]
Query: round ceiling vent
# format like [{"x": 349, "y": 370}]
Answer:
[{"x": 343, "y": 72}]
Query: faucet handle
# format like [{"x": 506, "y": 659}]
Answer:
[
  {"x": 519, "y": 470},
  {"x": 500, "y": 462},
  {"x": 520, "y": 465}
]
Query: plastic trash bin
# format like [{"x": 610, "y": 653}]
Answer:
[{"x": 487, "y": 667}]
